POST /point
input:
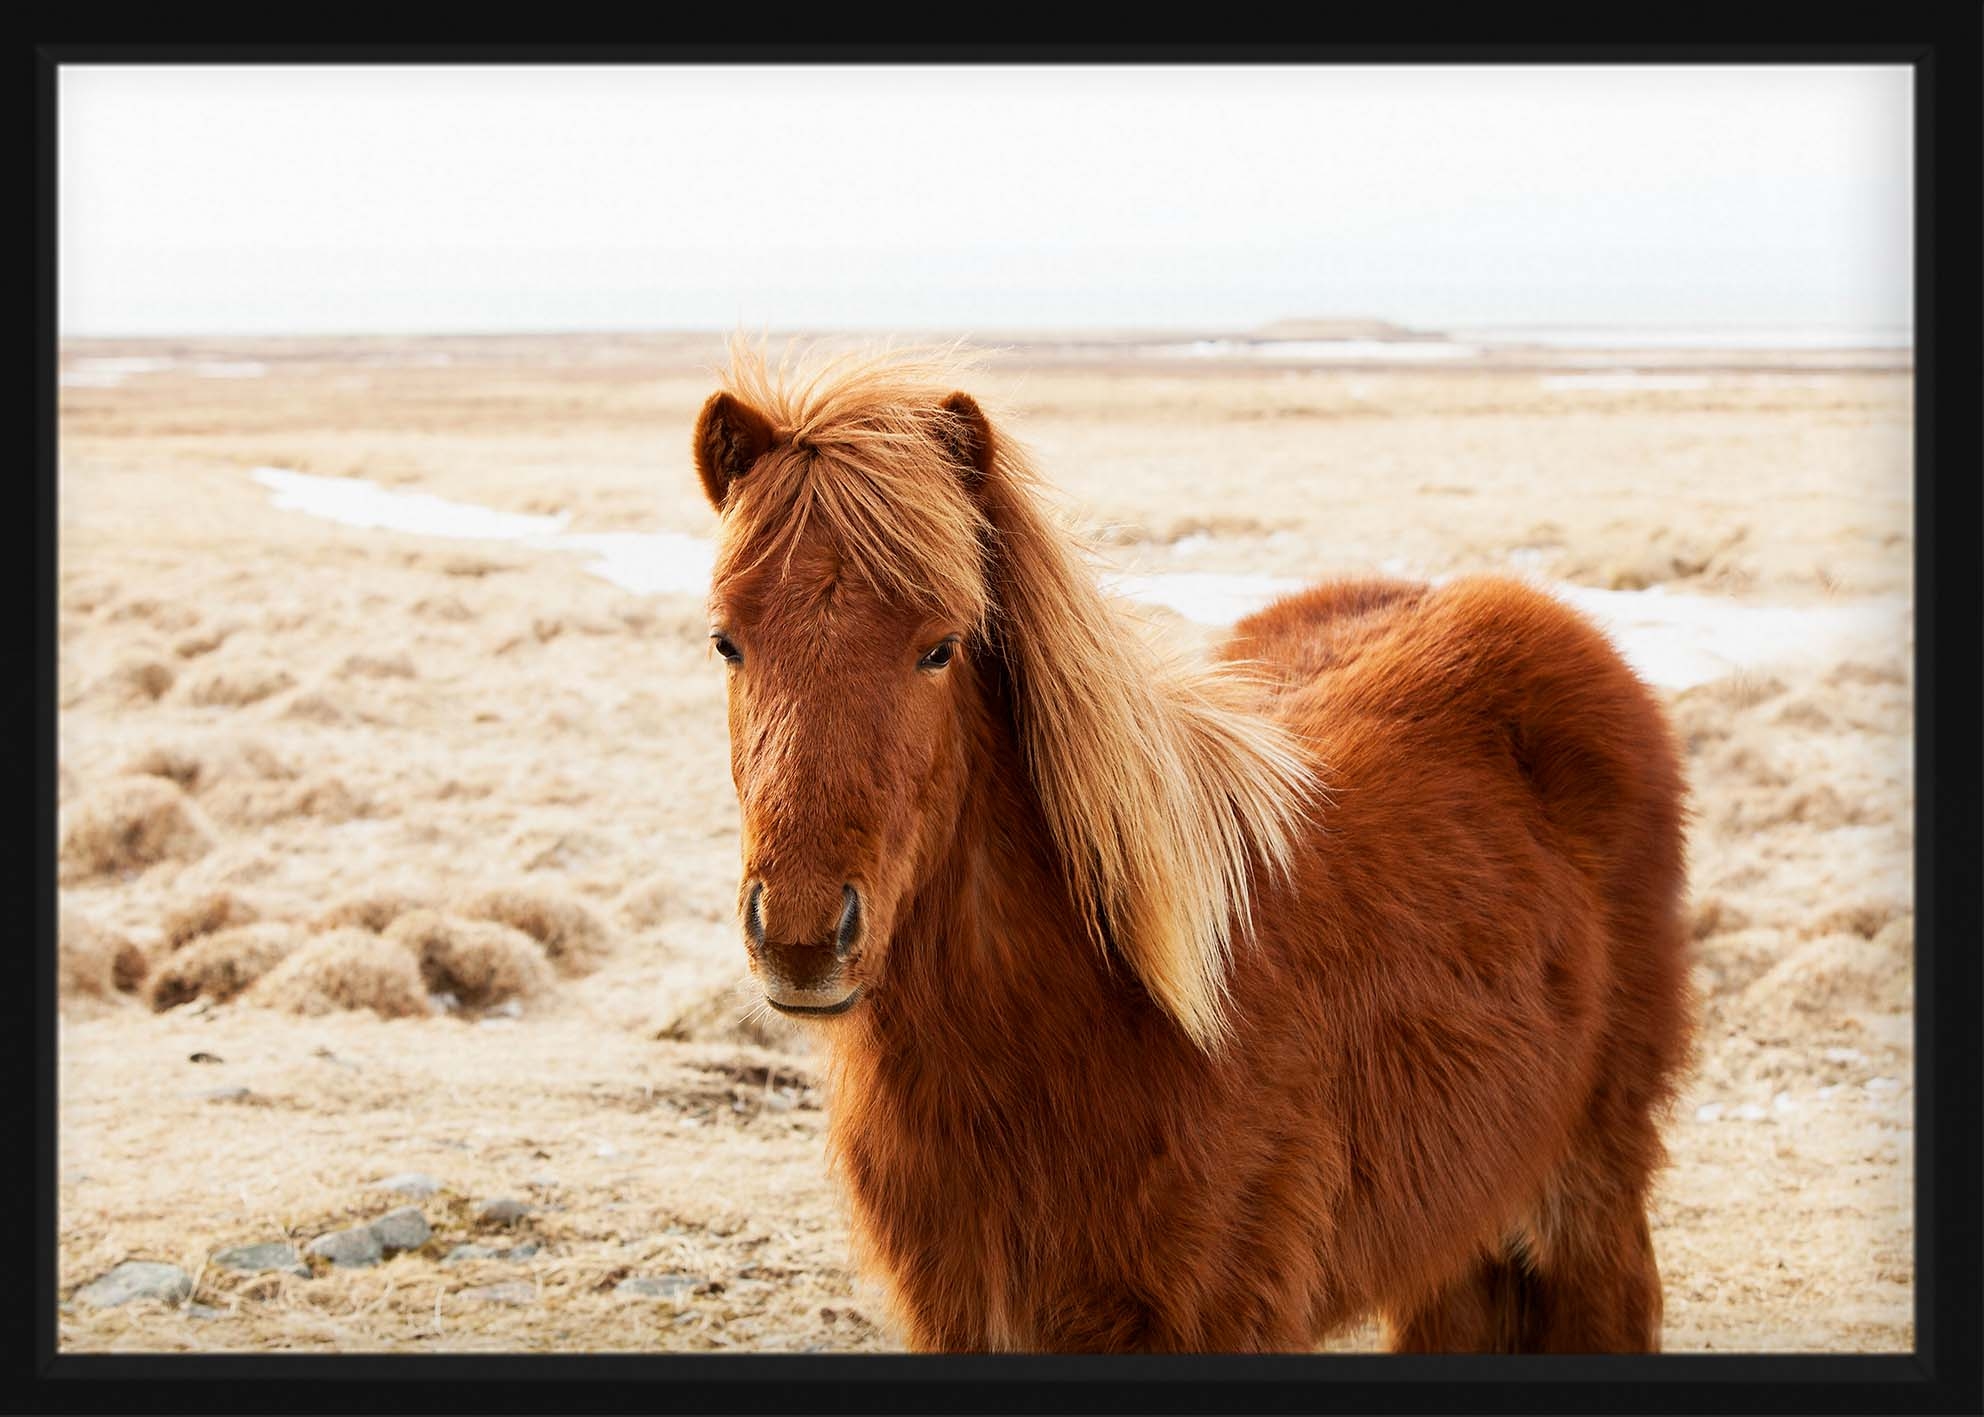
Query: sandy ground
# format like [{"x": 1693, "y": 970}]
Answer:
[{"x": 268, "y": 719}]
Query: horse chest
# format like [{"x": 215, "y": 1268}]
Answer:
[{"x": 992, "y": 1222}]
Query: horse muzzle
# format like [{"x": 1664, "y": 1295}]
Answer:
[{"x": 807, "y": 980}]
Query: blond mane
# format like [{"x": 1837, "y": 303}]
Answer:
[{"x": 1161, "y": 785}]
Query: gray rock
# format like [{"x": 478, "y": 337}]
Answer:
[
  {"x": 417, "y": 1184},
  {"x": 515, "y": 1254},
  {"x": 257, "y": 1259},
  {"x": 657, "y": 1286},
  {"x": 402, "y": 1229},
  {"x": 203, "y": 1311},
  {"x": 515, "y": 1292},
  {"x": 138, "y": 1279},
  {"x": 463, "y": 1253},
  {"x": 351, "y": 1248},
  {"x": 503, "y": 1210},
  {"x": 227, "y": 1094}
]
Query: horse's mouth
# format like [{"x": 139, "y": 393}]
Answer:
[{"x": 818, "y": 1010}]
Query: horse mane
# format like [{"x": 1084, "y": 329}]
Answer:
[{"x": 1162, "y": 785}]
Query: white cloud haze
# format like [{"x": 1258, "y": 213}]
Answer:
[{"x": 268, "y": 200}]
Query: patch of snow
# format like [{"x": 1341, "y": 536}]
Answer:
[{"x": 1674, "y": 641}]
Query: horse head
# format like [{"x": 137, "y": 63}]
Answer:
[{"x": 849, "y": 604}]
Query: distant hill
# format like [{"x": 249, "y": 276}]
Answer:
[{"x": 1366, "y": 329}]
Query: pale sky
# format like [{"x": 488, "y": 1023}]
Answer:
[{"x": 279, "y": 200}]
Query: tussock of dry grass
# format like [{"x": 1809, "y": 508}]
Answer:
[
  {"x": 221, "y": 965},
  {"x": 315, "y": 706},
  {"x": 377, "y": 666},
  {"x": 730, "y": 1010},
  {"x": 173, "y": 762},
  {"x": 206, "y": 913},
  {"x": 325, "y": 796},
  {"x": 129, "y": 968},
  {"x": 1713, "y": 915},
  {"x": 198, "y": 766},
  {"x": 93, "y": 962},
  {"x": 236, "y": 863},
  {"x": 205, "y": 640},
  {"x": 372, "y": 910},
  {"x": 128, "y": 824},
  {"x": 1871, "y": 916},
  {"x": 345, "y": 969},
  {"x": 162, "y": 614},
  {"x": 142, "y": 679},
  {"x": 480, "y": 962},
  {"x": 1831, "y": 977},
  {"x": 573, "y": 937},
  {"x": 646, "y": 904},
  {"x": 234, "y": 685}
]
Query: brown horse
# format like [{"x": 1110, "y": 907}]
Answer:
[{"x": 1182, "y": 1008}]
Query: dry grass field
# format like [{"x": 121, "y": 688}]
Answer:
[{"x": 394, "y": 857}]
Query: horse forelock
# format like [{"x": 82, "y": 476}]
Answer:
[{"x": 857, "y": 459}]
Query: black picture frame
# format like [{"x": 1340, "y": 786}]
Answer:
[{"x": 1943, "y": 1374}]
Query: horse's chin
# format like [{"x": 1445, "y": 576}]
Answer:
[{"x": 816, "y": 1010}]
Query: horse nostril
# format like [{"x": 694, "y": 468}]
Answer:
[
  {"x": 848, "y": 930},
  {"x": 754, "y": 914}
]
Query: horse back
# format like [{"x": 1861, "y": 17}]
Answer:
[{"x": 1480, "y": 670}]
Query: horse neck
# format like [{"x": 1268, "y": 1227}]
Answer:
[{"x": 991, "y": 958}]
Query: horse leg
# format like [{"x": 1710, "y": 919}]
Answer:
[
  {"x": 1598, "y": 1287},
  {"x": 1596, "y": 1284},
  {"x": 1585, "y": 1281},
  {"x": 1478, "y": 1312}
]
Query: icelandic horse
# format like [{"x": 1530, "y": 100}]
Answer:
[{"x": 1187, "y": 1008}]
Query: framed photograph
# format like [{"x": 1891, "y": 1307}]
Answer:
[{"x": 948, "y": 731}]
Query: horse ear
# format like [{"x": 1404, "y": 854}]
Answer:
[
  {"x": 967, "y": 436},
  {"x": 730, "y": 437}
]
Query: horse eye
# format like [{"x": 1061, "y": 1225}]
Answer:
[
  {"x": 725, "y": 648},
  {"x": 938, "y": 656}
]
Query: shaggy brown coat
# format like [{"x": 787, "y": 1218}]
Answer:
[{"x": 1193, "y": 1009}]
